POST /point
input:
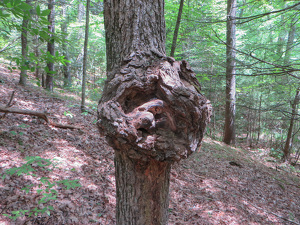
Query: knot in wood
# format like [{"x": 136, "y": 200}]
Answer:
[{"x": 157, "y": 114}]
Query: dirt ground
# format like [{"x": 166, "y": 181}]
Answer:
[{"x": 217, "y": 185}]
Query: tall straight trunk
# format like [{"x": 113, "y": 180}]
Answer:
[
  {"x": 259, "y": 120},
  {"x": 23, "y": 74},
  {"x": 229, "y": 130},
  {"x": 141, "y": 109},
  {"x": 50, "y": 45},
  {"x": 85, "y": 55},
  {"x": 37, "y": 55},
  {"x": 80, "y": 11},
  {"x": 288, "y": 142},
  {"x": 66, "y": 67},
  {"x": 177, "y": 28}
]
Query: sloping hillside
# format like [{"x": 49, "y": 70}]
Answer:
[{"x": 217, "y": 185}]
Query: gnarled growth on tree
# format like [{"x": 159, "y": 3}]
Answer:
[
  {"x": 151, "y": 112},
  {"x": 154, "y": 111}
]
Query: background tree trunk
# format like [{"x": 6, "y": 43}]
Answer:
[
  {"x": 23, "y": 74},
  {"x": 229, "y": 131},
  {"x": 151, "y": 111},
  {"x": 50, "y": 46},
  {"x": 64, "y": 30},
  {"x": 176, "y": 28},
  {"x": 288, "y": 143},
  {"x": 85, "y": 55}
]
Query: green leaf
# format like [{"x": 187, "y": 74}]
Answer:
[
  {"x": 46, "y": 12},
  {"x": 13, "y": 132},
  {"x": 38, "y": 10},
  {"x": 25, "y": 6},
  {"x": 8, "y": 5}
]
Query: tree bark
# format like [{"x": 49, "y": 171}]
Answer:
[
  {"x": 85, "y": 55},
  {"x": 151, "y": 112},
  {"x": 229, "y": 131},
  {"x": 288, "y": 143},
  {"x": 23, "y": 74},
  {"x": 50, "y": 46},
  {"x": 146, "y": 199},
  {"x": 177, "y": 28},
  {"x": 66, "y": 67},
  {"x": 37, "y": 55}
]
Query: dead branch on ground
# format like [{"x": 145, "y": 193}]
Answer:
[{"x": 43, "y": 115}]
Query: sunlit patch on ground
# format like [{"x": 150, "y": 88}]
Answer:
[{"x": 205, "y": 189}]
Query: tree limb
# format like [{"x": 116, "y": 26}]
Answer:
[
  {"x": 41, "y": 115},
  {"x": 9, "y": 44}
]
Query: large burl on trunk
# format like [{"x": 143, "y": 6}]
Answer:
[{"x": 152, "y": 112}]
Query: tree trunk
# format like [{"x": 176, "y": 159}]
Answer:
[
  {"x": 80, "y": 11},
  {"x": 151, "y": 111},
  {"x": 37, "y": 55},
  {"x": 24, "y": 66},
  {"x": 86, "y": 39},
  {"x": 288, "y": 143},
  {"x": 64, "y": 30},
  {"x": 146, "y": 198},
  {"x": 229, "y": 131},
  {"x": 259, "y": 120},
  {"x": 50, "y": 46},
  {"x": 176, "y": 28}
]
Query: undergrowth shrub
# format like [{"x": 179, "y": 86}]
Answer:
[{"x": 46, "y": 187}]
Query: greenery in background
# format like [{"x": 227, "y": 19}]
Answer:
[
  {"x": 264, "y": 88},
  {"x": 46, "y": 187},
  {"x": 265, "y": 84}
]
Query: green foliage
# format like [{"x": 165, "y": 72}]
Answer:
[
  {"x": 276, "y": 153},
  {"x": 46, "y": 186}
]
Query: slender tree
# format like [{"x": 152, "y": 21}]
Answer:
[
  {"x": 177, "y": 28},
  {"x": 290, "y": 41},
  {"x": 229, "y": 131},
  {"x": 23, "y": 74},
  {"x": 85, "y": 55},
  {"x": 288, "y": 142},
  {"x": 64, "y": 30},
  {"x": 151, "y": 111},
  {"x": 50, "y": 45}
]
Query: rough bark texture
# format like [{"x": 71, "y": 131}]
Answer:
[
  {"x": 152, "y": 112},
  {"x": 229, "y": 130},
  {"x": 147, "y": 190},
  {"x": 133, "y": 26},
  {"x": 176, "y": 28},
  {"x": 50, "y": 46}
]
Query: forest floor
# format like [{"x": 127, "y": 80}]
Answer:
[{"x": 218, "y": 185}]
